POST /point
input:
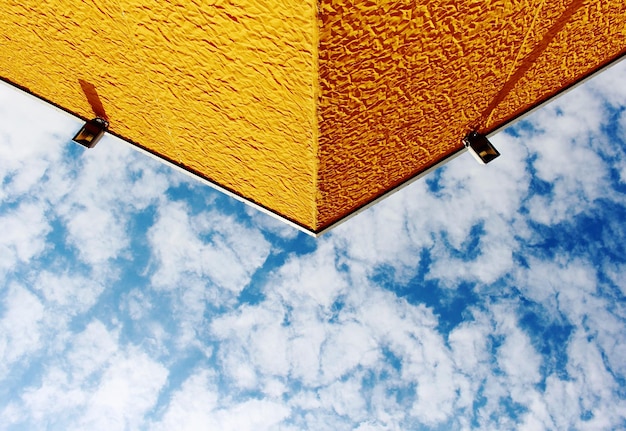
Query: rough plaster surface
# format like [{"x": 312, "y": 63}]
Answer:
[
  {"x": 403, "y": 81},
  {"x": 224, "y": 89},
  {"x": 310, "y": 110}
]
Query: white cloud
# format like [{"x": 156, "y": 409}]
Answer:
[
  {"x": 97, "y": 234},
  {"x": 210, "y": 244},
  {"x": 616, "y": 272},
  {"x": 196, "y": 405},
  {"x": 109, "y": 187},
  {"x": 348, "y": 345},
  {"x": 313, "y": 279},
  {"x": 56, "y": 401},
  {"x": 20, "y": 326},
  {"x": 609, "y": 86},
  {"x": 569, "y": 131},
  {"x": 97, "y": 385},
  {"x": 65, "y": 387},
  {"x": 562, "y": 397},
  {"x": 91, "y": 350},
  {"x": 127, "y": 391},
  {"x": 137, "y": 304},
  {"x": 252, "y": 415},
  {"x": 345, "y": 399},
  {"x": 305, "y": 347},
  {"x": 191, "y": 406},
  {"x": 516, "y": 356},
  {"x": 69, "y": 294},
  {"x": 24, "y": 231},
  {"x": 254, "y": 342},
  {"x": 469, "y": 346},
  {"x": 28, "y": 152}
]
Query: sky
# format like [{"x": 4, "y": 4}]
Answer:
[{"x": 133, "y": 297}]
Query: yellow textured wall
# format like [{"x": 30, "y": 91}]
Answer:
[
  {"x": 224, "y": 88},
  {"x": 311, "y": 110}
]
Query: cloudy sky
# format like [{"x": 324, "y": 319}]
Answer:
[{"x": 132, "y": 297}]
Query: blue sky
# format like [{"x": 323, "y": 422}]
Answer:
[{"x": 480, "y": 297}]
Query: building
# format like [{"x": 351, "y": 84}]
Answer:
[{"x": 311, "y": 110}]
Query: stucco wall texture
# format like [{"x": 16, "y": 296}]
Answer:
[{"x": 309, "y": 109}]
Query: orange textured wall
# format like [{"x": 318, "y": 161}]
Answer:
[{"x": 402, "y": 81}]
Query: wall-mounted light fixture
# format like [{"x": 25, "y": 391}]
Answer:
[
  {"x": 480, "y": 147},
  {"x": 89, "y": 135}
]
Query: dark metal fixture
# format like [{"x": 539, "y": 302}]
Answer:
[
  {"x": 93, "y": 130},
  {"x": 480, "y": 147}
]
